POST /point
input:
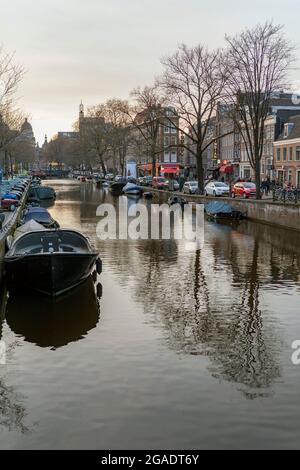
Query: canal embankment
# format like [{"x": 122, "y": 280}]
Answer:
[{"x": 279, "y": 214}]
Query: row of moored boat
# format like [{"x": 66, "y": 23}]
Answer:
[{"x": 43, "y": 256}]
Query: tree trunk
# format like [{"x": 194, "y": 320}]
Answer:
[
  {"x": 102, "y": 165},
  {"x": 200, "y": 173},
  {"x": 257, "y": 178},
  {"x": 114, "y": 159},
  {"x": 153, "y": 163}
]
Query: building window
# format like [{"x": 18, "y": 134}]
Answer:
[
  {"x": 290, "y": 174},
  {"x": 284, "y": 153},
  {"x": 297, "y": 153},
  {"x": 291, "y": 154},
  {"x": 166, "y": 141},
  {"x": 166, "y": 129},
  {"x": 280, "y": 177},
  {"x": 173, "y": 156},
  {"x": 174, "y": 140},
  {"x": 173, "y": 129},
  {"x": 167, "y": 157},
  {"x": 298, "y": 179},
  {"x": 246, "y": 173},
  {"x": 278, "y": 154}
]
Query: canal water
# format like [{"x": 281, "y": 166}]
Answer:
[{"x": 185, "y": 349}]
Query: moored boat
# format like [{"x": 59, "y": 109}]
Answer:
[
  {"x": 221, "y": 210},
  {"x": 117, "y": 186},
  {"x": 41, "y": 193},
  {"x": 132, "y": 189},
  {"x": 176, "y": 199},
  {"x": 50, "y": 261},
  {"x": 41, "y": 216}
]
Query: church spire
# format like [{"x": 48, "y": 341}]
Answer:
[{"x": 81, "y": 110}]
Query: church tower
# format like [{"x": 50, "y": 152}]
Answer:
[{"x": 81, "y": 110}]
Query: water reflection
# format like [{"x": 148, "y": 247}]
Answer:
[
  {"x": 52, "y": 323},
  {"x": 210, "y": 305},
  {"x": 209, "y": 301},
  {"x": 186, "y": 334},
  {"x": 12, "y": 409}
]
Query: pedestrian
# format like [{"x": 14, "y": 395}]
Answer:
[{"x": 181, "y": 182}]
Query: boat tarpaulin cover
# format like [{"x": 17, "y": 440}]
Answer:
[
  {"x": 28, "y": 227},
  {"x": 217, "y": 207}
]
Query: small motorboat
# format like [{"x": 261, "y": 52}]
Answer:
[
  {"x": 29, "y": 226},
  {"x": 50, "y": 261},
  {"x": 41, "y": 193},
  {"x": 117, "y": 186},
  {"x": 132, "y": 189},
  {"x": 41, "y": 216},
  {"x": 177, "y": 200},
  {"x": 222, "y": 210}
]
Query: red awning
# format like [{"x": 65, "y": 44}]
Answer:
[
  {"x": 226, "y": 169},
  {"x": 169, "y": 170}
]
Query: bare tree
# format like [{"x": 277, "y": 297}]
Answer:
[
  {"x": 10, "y": 117},
  {"x": 10, "y": 76},
  {"x": 10, "y": 123},
  {"x": 21, "y": 154},
  {"x": 147, "y": 116},
  {"x": 116, "y": 114},
  {"x": 193, "y": 80},
  {"x": 95, "y": 136},
  {"x": 257, "y": 63},
  {"x": 62, "y": 150}
]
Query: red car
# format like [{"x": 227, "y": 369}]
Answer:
[
  {"x": 9, "y": 204},
  {"x": 159, "y": 182},
  {"x": 244, "y": 189}
]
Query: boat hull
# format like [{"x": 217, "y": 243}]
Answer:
[{"x": 49, "y": 273}]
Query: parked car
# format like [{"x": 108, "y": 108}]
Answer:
[
  {"x": 141, "y": 180},
  {"x": 109, "y": 176},
  {"x": 216, "y": 188},
  {"x": 131, "y": 179},
  {"x": 190, "y": 187},
  {"x": 118, "y": 178},
  {"x": 148, "y": 180},
  {"x": 8, "y": 204},
  {"x": 244, "y": 189},
  {"x": 173, "y": 184},
  {"x": 159, "y": 182}
]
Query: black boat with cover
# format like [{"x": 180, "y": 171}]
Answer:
[
  {"x": 41, "y": 193},
  {"x": 50, "y": 261},
  {"x": 41, "y": 216},
  {"x": 221, "y": 210},
  {"x": 117, "y": 186}
]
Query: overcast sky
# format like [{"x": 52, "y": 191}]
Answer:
[{"x": 97, "y": 49}]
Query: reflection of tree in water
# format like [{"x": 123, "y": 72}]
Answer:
[
  {"x": 12, "y": 411},
  {"x": 209, "y": 301},
  {"x": 247, "y": 353},
  {"x": 199, "y": 321}
]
